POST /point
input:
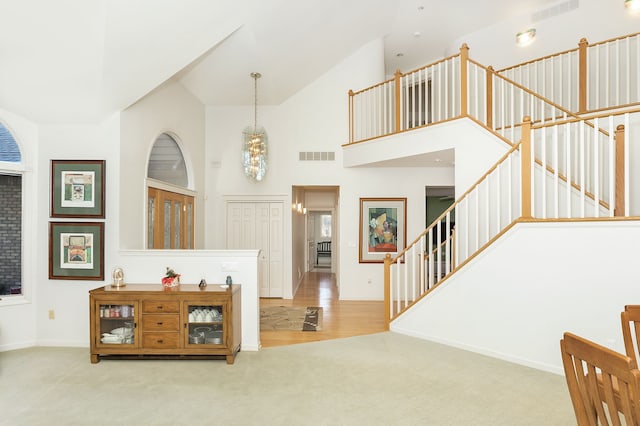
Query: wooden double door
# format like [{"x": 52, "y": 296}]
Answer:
[
  {"x": 259, "y": 225},
  {"x": 170, "y": 220}
]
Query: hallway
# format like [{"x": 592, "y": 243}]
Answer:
[{"x": 341, "y": 318}]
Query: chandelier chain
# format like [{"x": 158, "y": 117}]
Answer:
[{"x": 256, "y": 76}]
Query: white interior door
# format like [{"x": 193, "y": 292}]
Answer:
[
  {"x": 259, "y": 225},
  {"x": 234, "y": 226},
  {"x": 249, "y": 240},
  {"x": 262, "y": 242},
  {"x": 276, "y": 246}
]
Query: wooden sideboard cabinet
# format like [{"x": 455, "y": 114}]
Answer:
[{"x": 148, "y": 320}]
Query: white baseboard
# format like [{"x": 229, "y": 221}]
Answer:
[
  {"x": 19, "y": 345},
  {"x": 505, "y": 357},
  {"x": 64, "y": 343}
]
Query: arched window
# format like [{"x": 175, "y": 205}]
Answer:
[
  {"x": 166, "y": 162},
  {"x": 170, "y": 203},
  {"x": 9, "y": 151},
  {"x": 10, "y": 215}
]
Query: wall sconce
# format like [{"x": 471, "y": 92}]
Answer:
[
  {"x": 299, "y": 207},
  {"x": 632, "y": 5},
  {"x": 304, "y": 210},
  {"x": 525, "y": 37}
]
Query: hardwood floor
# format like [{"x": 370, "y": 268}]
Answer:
[{"x": 341, "y": 318}]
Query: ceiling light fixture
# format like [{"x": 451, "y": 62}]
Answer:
[
  {"x": 525, "y": 37},
  {"x": 632, "y": 5},
  {"x": 254, "y": 142}
]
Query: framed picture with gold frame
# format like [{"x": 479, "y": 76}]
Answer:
[
  {"x": 77, "y": 188},
  {"x": 383, "y": 228},
  {"x": 76, "y": 250}
]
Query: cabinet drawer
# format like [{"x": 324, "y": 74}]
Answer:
[
  {"x": 160, "y": 340},
  {"x": 158, "y": 306},
  {"x": 160, "y": 323}
]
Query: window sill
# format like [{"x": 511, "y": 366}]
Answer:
[{"x": 13, "y": 300}]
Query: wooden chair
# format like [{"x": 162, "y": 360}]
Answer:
[
  {"x": 630, "y": 318},
  {"x": 595, "y": 401},
  {"x": 323, "y": 250}
]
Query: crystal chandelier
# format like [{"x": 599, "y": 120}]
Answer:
[{"x": 254, "y": 142}]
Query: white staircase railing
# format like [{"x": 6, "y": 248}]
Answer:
[
  {"x": 563, "y": 170},
  {"x": 580, "y": 162},
  {"x": 560, "y": 165}
]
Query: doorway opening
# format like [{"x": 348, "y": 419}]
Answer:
[
  {"x": 315, "y": 233},
  {"x": 319, "y": 235},
  {"x": 437, "y": 200}
]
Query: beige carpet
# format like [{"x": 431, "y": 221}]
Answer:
[
  {"x": 384, "y": 379},
  {"x": 293, "y": 318}
]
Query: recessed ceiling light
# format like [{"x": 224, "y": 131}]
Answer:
[
  {"x": 420, "y": 7},
  {"x": 525, "y": 37},
  {"x": 632, "y": 5},
  {"x": 417, "y": 34}
]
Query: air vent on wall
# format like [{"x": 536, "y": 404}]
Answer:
[
  {"x": 558, "y": 9},
  {"x": 317, "y": 156}
]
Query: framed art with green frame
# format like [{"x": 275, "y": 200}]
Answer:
[
  {"x": 76, "y": 250},
  {"x": 77, "y": 188}
]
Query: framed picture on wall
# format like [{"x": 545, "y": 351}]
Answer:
[
  {"x": 77, "y": 188},
  {"x": 383, "y": 228},
  {"x": 76, "y": 250}
]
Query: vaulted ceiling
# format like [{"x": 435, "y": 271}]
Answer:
[{"x": 75, "y": 61}]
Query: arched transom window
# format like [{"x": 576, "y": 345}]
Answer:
[{"x": 170, "y": 204}]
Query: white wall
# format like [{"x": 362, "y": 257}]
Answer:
[
  {"x": 476, "y": 149},
  {"x": 515, "y": 300},
  {"x": 169, "y": 109},
  {"x": 69, "y": 298},
  {"x": 364, "y": 281},
  {"x": 315, "y": 119}
]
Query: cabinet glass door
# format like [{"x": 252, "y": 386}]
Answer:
[
  {"x": 116, "y": 324},
  {"x": 205, "y": 324}
]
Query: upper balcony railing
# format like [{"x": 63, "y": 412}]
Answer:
[
  {"x": 590, "y": 78},
  {"x": 427, "y": 95},
  {"x": 452, "y": 88}
]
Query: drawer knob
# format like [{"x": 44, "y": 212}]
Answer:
[
  {"x": 159, "y": 323},
  {"x": 160, "y": 341}
]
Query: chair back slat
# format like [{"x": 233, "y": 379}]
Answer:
[{"x": 604, "y": 385}]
